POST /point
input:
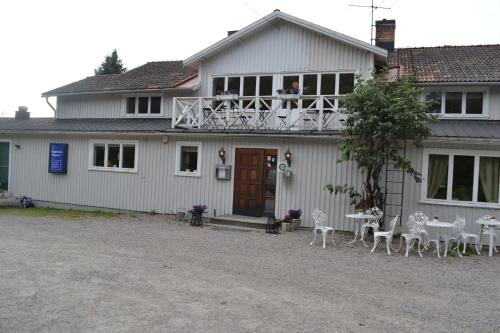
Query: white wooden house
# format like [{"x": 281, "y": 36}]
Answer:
[{"x": 151, "y": 138}]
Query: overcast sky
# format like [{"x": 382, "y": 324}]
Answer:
[{"x": 46, "y": 44}]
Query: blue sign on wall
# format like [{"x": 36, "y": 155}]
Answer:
[{"x": 58, "y": 158}]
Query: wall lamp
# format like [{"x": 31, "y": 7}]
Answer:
[
  {"x": 222, "y": 155},
  {"x": 288, "y": 157}
]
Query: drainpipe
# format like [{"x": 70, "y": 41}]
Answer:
[{"x": 51, "y": 106}]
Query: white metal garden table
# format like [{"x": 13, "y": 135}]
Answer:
[
  {"x": 491, "y": 224},
  {"x": 358, "y": 218},
  {"x": 437, "y": 226}
]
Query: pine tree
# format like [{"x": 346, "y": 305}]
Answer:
[{"x": 111, "y": 65}]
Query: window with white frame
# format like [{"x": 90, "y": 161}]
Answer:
[
  {"x": 244, "y": 85},
  {"x": 188, "y": 158},
  {"x": 314, "y": 84},
  {"x": 461, "y": 176},
  {"x": 458, "y": 102},
  {"x": 143, "y": 105},
  {"x": 113, "y": 155}
]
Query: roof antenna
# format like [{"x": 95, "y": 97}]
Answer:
[
  {"x": 260, "y": 15},
  {"x": 373, "y": 9}
]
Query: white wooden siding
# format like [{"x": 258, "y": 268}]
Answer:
[
  {"x": 494, "y": 102},
  {"x": 156, "y": 187},
  {"x": 284, "y": 48},
  {"x": 110, "y": 105}
]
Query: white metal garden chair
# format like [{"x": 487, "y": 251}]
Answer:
[
  {"x": 416, "y": 232},
  {"x": 386, "y": 234},
  {"x": 458, "y": 226},
  {"x": 485, "y": 231},
  {"x": 371, "y": 223},
  {"x": 320, "y": 224},
  {"x": 465, "y": 236}
]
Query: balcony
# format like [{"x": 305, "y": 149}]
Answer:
[{"x": 282, "y": 112}]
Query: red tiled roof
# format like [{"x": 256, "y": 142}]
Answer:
[
  {"x": 152, "y": 75},
  {"x": 474, "y": 63}
]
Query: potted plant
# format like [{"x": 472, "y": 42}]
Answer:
[
  {"x": 295, "y": 216},
  {"x": 286, "y": 224},
  {"x": 197, "y": 212}
]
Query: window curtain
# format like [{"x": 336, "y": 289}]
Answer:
[
  {"x": 489, "y": 177},
  {"x": 437, "y": 173}
]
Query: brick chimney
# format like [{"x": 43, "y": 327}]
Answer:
[
  {"x": 22, "y": 113},
  {"x": 385, "y": 33}
]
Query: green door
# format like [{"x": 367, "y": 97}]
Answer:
[{"x": 4, "y": 165}]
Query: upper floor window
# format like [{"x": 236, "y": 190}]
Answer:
[
  {"x": 143, "y": 105},
  {"x": 458, "y": 102},
  {"x": 113, "y": 155},
  {"x": 247, "y": 86}
]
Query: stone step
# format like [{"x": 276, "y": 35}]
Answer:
[
  {"x": 8, "y": 201},
  {"x": 240, "y": 221}
]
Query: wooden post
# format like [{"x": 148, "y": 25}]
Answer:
[
  {"x": 200, "y": 112},
  {"x": 257, "y": 112},
  {"x": 320, "y": 116},
  {"x": 174, "y": 112}
]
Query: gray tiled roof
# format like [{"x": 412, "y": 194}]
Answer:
[
  {"x": 472, "y": 63},
  {"x": 456, "y": 128},
  {"x": 444, "y": 128},
  {"x": 153, "y": 75},
  {"x": 126, "y": 125},
  {"x": 85, "y": 125}
]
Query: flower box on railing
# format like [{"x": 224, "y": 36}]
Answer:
[
  {"x": 227, "y": 95},
  {"x": 288, "y": 93}
]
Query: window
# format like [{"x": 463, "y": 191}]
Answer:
[
  {"x": 266, "y": 89},
  {"x": 188, "y": 159},
  {"x": 217, "y": 86},
  {"x": 327, "y": 84},
  {"x": 233, "y": 85},
  {"x": 310, "y": 87},
  {"x": 461, "y": 176},
  {"x": 455, "y": 103},
  {"x": 247, "y": 86},
  {"x": 113, "y": 156},
  {"x": 249, "y": 89},
  {"x": 143, "y": 105},
  {"x": 437, "y": 177},
  {"x": 474, "y": 103},
  {"x": 436, "y": 97},
  {"x": 346, "y": 83}
]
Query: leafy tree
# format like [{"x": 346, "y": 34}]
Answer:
[
  {"x": 111, "y": 65},
  {"x": 380, "y": 117}
]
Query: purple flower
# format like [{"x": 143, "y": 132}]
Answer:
[
  {"x": 198, "y": 209},
  {"x": 295, "y": 213}
]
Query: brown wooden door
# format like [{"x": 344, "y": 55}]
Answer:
[{"x": 253, "y": 183}]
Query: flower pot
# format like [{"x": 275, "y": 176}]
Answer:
[
  {"x": 196, "y": 219},
  {"x": 286, "y": 227},
  {"x": 296, "y": 224}
]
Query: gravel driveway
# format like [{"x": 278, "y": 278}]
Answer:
[{"x": 147, "y": 274}]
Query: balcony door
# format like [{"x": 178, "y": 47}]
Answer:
[{"x": 255, "y": 182}]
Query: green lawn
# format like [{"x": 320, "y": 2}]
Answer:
[{"x": 54, "y": 212}]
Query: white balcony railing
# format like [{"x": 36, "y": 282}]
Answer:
[{"x": 282, "y": 112}]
